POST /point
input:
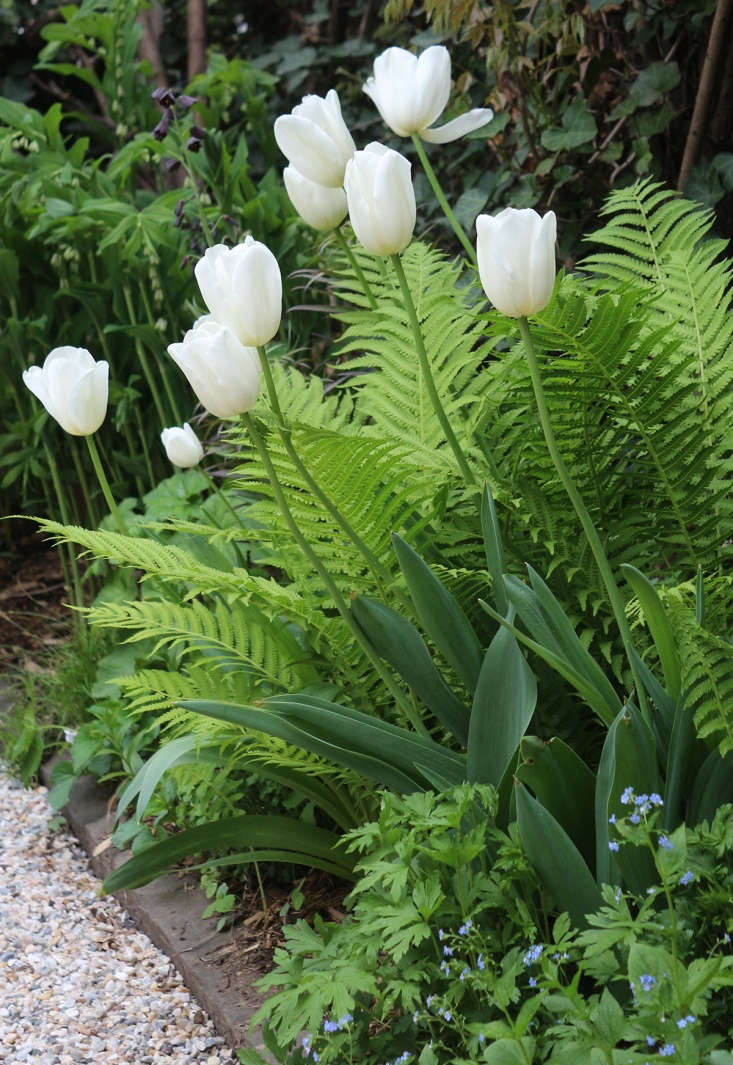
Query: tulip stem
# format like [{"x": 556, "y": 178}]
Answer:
[
  {"x": 440, "y": 197},
  {"x": 594, "y": 540},
  {"x": 157, "y": 400},
  {"x": 104, "y": 484},
  {"x": 383, "y": 577},
  {"x": 355, "y": 267},
  {"x": 333, "y": 589},
  {"x": 164, "y": 366},
  {"x": 77, "y": 590},
  {"x": 427, "y": 372}
]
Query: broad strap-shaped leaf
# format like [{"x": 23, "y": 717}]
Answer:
[
  {"x": 494, "y": 549},
  {"x": 712, "y": 788},
  {"x": 659, "y": 627},
  {"x": 306, "y": 844},
  {"x": 185, "y": 750},
  {"x": 548, "y": 623},
  {"x": 381, "y": 751},
  {"x": 503, "y": 704},
  {"x": 558, "y": 861},
  {"x": 564, "y": 785},
  {"x": 628, "y": 759},
  {"x": 685, "y": 755},
  {"x": 397, "y": 641},
  {"x": 558, "y": 663},
  {"x": 441, "y": 614}
]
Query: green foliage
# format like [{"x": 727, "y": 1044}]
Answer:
[{"x": 448, "y": 957}]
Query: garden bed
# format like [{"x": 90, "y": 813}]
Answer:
[{"x": 219, "y": 968}]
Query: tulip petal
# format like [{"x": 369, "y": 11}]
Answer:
[
  {"x": 35, "y": 382},
  {"x": 310, "y": 150},
  {"x": 432, "y": 84},
  {"x": 458, "y": 127},
  {"x": 87, "y": 401}
]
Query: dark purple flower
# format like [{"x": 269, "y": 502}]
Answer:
[
  {"x": 162, "y": 128},
  {"x": 164, "y": 97}
]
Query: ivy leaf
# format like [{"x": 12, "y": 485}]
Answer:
[{"x": 578, "y": 127}]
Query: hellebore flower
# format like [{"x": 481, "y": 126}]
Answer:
[
  {"x": 381, "y": 199},
  {"x": 182, "y": 446},
  {"x": 242, "y": 288},
  {"x": 72, "y": 387},
  {"x": 516, "y": 260},
  {"x": 410, "y": 92},
  {"x": 315, "y": 139},
  {"x": 318, "y": 205},
  {"x": 224, "y": 374}
]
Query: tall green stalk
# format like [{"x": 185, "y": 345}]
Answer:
[
  {"x": 382, "y": 576},
  {"x": 166, "y": 383},
  {"x": 76, "y": 589},
  {"x": 440, "y": 197},
  {"x": 428, "y": 374},
  {"x": 328, "y": 580},
  {"x": 141, "y": 354},
  {"x": 591, "y": 533},
  {"x": 104, "y": 484},
  {"x": 344, "y": 245}
]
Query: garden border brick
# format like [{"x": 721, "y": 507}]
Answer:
[{"x": 169, "y": 912}]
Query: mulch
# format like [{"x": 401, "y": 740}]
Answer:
[{"x": 33, "y": 614}]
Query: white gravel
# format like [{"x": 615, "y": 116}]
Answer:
[{"x": 79, "y": 984}]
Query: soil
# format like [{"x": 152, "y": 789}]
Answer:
[{"x": 33, "y": 615}]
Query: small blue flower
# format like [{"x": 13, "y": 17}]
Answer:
[
  {"x": 612, "y": 819},
  {"x": 445, "y": 968},
  {"x": 481, "y": 1037},
  {"x": 613, "y": 845},
  {"x": 647, "y": 981},
  {"x": 464, "y": 974},
  {"x": 664, "y": 842},
  {"x": 533, "y": 954},
  {"x": 480, "y": 963},
  {"x": 346, "y": 1019},
  {"x": 448, "y": 952},
  {"x": 627, "y": 796},
  {"x": 415, "y": 1016},
  {"x": 641, "y": 800},
  {"x": 687, "y": 878},
  {"x": 726, "y": 938},
  {"x": 650, "y": 1041},
  {"x": 464, "y": 929},
  {"x": 532, "y": 982},
  {"x": 667, "y": 1050},
  {"x": 684, "y": 1021},
  {"x": 656, "y": 799},
  {"x": 428, "y": 1000},
  {"x": 635, "y": 819},
  {"x": 331, "y": 1026},
  {"x": 315, "y": 1057},
  {"x": 441, "y": 934}
]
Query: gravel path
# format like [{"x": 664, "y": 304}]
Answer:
[{"x": 79, "y": 985}]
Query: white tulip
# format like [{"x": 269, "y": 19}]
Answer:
[
  {"x": 318, "y": 206},
  {"x": 410, "y": 93},
  {"x": 182, "y": 446},
  {"x": 381, "y": 199},
  {"x": 242, "y": 288},
  {"x": 72, "y": 387},
  {"x": 516, "y": 260},
  {"x": 224, "y": 374},
  {"x": 316, "y": 140}
]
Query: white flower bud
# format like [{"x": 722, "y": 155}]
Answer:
[
  {"x": 72, "y": 387},
  {"x": 224, "y": 374},
  {"x": 182, "y": 446},
  {"x": 381, "y": 199},
  {"x": 516, "y": 259}
]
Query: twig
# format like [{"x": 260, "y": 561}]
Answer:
[{"x": 713, "y": 52}]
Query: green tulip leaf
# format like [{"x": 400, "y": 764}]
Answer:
[
  {"x": 441, "y": 615},
  {"x": 397, "y": 641},
  {"x": 564, "y": 785},
  {"x": 503, "y": 704},
  {"x": 659, "y": 626},
  {"x": 558, "y": 861},
  {"x": 494, "y": 550}
]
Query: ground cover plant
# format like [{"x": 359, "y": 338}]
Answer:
[{"x": 489, "y": 554}]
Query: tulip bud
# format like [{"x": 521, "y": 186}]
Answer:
[
  {"x": 72, "y": 387},
  {"x": 516, "y": 260},
  {"x": 411, "y": 92},
  {"x": 242, "y": 288},
  {"x": 315, "y": 139},
  {"x": 318, "y": 206},
  {"x": 381, "y": 199},
  {"x": 224, "y": 374},
  {"x": 182, "y": 446}
]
